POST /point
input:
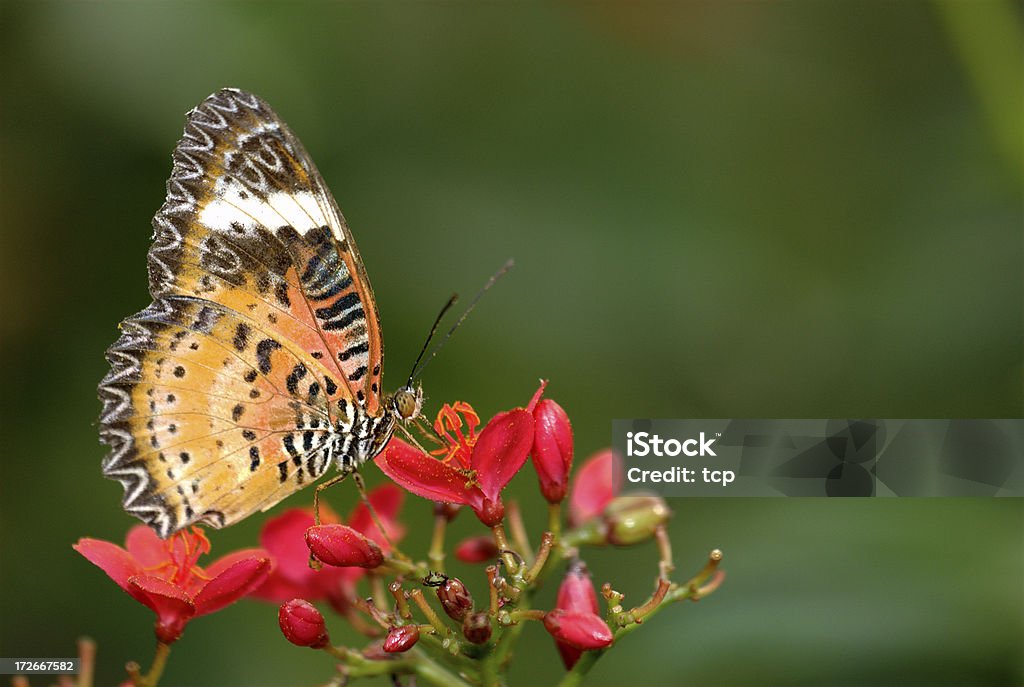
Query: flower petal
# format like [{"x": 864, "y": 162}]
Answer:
[
  {"x": 277, "y": 589},
  {"x": 231, "y": 584},
  {"x": 110, "y": 558},
  {"x": 146, "y": 547},
  {"x": 228, "y": 560},
  {"x": 580, "y": 630},
  {"x": 595, "y": 486},
  {"x": 425, "y": 476},
  {"x": 502, "y": 449},
  {"x": 172, "y": 605},
  {"x": 284, "y": 537},
  {"x": 532, "y": 405}
]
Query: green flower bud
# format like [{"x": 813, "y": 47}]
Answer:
[{"x": 633, "y": 519}]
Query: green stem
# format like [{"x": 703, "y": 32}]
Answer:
[
  {"x": 432, "y": 673},
  {"x": 501, "y": 541},
  {"x": 156, "y": 670},
  {"x": 493, "y": 663},
  {"x": 432, "y": 617},
  {"x": 555, "y": 519},
  {"x": 436, "y": 553},
  {"x": 489, "y": 672},
  {"x": 413, "y": 662},
  {"x": 87, "y": 658},
  {"x": 515, "y": 521}
]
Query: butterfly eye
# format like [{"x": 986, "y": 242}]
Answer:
[{"x": 407, "y": 402}]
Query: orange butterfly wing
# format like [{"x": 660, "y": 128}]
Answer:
[{"x": 259, "y": 361}]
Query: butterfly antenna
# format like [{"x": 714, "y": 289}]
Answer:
[
  {"x": 418, "y": 368},
  {"x": 433, "y": 330}
]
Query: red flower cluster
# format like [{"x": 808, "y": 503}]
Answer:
[
  {"x": 164, "y": 575},
  {"x": 471, "y": 468}
]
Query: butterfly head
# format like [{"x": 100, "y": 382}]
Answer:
[{"x": 407, "y": 403}]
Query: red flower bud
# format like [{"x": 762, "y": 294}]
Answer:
[
  {"x": 552, "y": 449},
  {"x": 401, "y": 639},
  {"x": 580, "y": 630},
  {"x": 476, "y": 550},
  {"x": 302, "y": 624},
  {"x": 455, "y": 598},
  {"x": 477, "y": 627},
  {"x": 576, "y": 593},
  {"x": 343, "y": 546}
]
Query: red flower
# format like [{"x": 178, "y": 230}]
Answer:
[
  {"x": 163, "y": 574},
  {"x": 596, "y": 484},
  {"x": 576, "y": 594},
  {"x": 284, "y": 537},
  {"x": 302, "y": 624},
  {"x": 552, "y": 449},
  {"x": 474, "y": 467}
]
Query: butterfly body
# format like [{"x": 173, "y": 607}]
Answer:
[{"x": 259, "y": 362}]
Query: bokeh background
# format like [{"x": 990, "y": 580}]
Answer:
[{"x": 717, "y": 209}]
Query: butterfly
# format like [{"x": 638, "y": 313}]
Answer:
[{"x": 259, "y": 362}]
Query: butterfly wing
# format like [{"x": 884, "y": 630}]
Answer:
[{"x": 262, "y": 336}]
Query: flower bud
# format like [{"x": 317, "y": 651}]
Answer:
[
  {"x": 477, "y": 627},
  {"x": 401, "y": 638},
  {"x": 576, "y": 593},
  {"x": 633, "y": 519},
  {"x": 580, "y": 630},
  {"x": 455, "y": 598},
  {"x": 302, "y": 624},
  {"x": 552, "y": 449},
  {"x": 476, "y": 550},
  {"x": 342, "y": 546}
]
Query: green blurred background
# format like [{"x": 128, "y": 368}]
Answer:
[{"x": 717, "y": 209}]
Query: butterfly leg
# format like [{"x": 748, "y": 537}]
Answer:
[
  {"x": 320, "y": 487},
  {"x": 361, "y": 485},
  {"x": 314, "y": 564}
]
